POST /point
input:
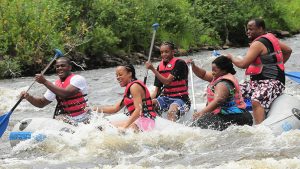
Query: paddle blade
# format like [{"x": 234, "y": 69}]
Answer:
[
  {"x": 215, "y": 53},
  {"x": 293, "y": 76},
  {"x": 58, "y": 53},
  {"x": 4, "y": 119},
  {"x": 155, "y": 26}
]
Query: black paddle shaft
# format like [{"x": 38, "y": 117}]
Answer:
[{"x": 19, "y": 101}]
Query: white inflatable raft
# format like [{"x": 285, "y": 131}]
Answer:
[
  {"x": 26, "y": 128},
  {"x": 284, "y": 115},
  {"x": 31, "y": 128}
]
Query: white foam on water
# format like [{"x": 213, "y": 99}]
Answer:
[
  {"x": 268, "y": 163},
  {"x": 167, "y": 148},
  {"x": 9, "y": 97}
]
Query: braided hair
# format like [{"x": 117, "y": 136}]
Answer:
[
  {"x": 130, "y": 68},
  {"x": 170, "y": 44}
]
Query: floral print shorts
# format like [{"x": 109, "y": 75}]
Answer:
[{"x": 262, "y": 91}]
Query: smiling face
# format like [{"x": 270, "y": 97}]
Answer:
[
  {"x": 166, "y": 53},
  {"x": 123, "y": 76},
  {"x": 63, "y": 68},
  {"x": 253, "y": 31}
]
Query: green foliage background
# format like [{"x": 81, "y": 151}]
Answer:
[{"x": 31, "y": 29}]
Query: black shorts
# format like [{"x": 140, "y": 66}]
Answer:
[{"x": 220, "y": 121}]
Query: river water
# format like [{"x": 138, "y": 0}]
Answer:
[{"x": 237, "y": 147}]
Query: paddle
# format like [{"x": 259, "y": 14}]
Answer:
[
  {"x": 193, "y": 92},
  {"x": 294, "y": 76},
  {"x": 193, "y": 122},
  {"x": 5, "y": 118},
  {"x": 155, "y": 27}
]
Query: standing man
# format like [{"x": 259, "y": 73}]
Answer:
[
  {"x": 171, "y": 83},
  {"x": 264, "y": 62},
  {"x": 69, "y": 90}
]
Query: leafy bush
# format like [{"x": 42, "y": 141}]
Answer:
[
  {"x": 30, "y": 30},
  {"x": 290, "y": 13},
  {"x": 9, "y": 68},
  {"x": 103, "y": 40}
]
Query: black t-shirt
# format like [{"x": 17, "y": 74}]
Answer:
[
  {"x": 180, "y": 72},
  {"x": 270, "y": 71}
]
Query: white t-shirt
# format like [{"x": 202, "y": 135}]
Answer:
[{"x": 76, "y": 81}]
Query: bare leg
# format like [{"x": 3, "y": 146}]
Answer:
[
  {"x": 172, "y": 112},
  {"x": 258, "y": 112}
]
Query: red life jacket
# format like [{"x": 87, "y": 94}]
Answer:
[
  {"x": 147, "y": 107},
  {"x": 73, "y": 105},
  {"x": 238, "y": 99},
  {"x": 176, "y": 88},
  {"x": 256, "y": 66}
]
